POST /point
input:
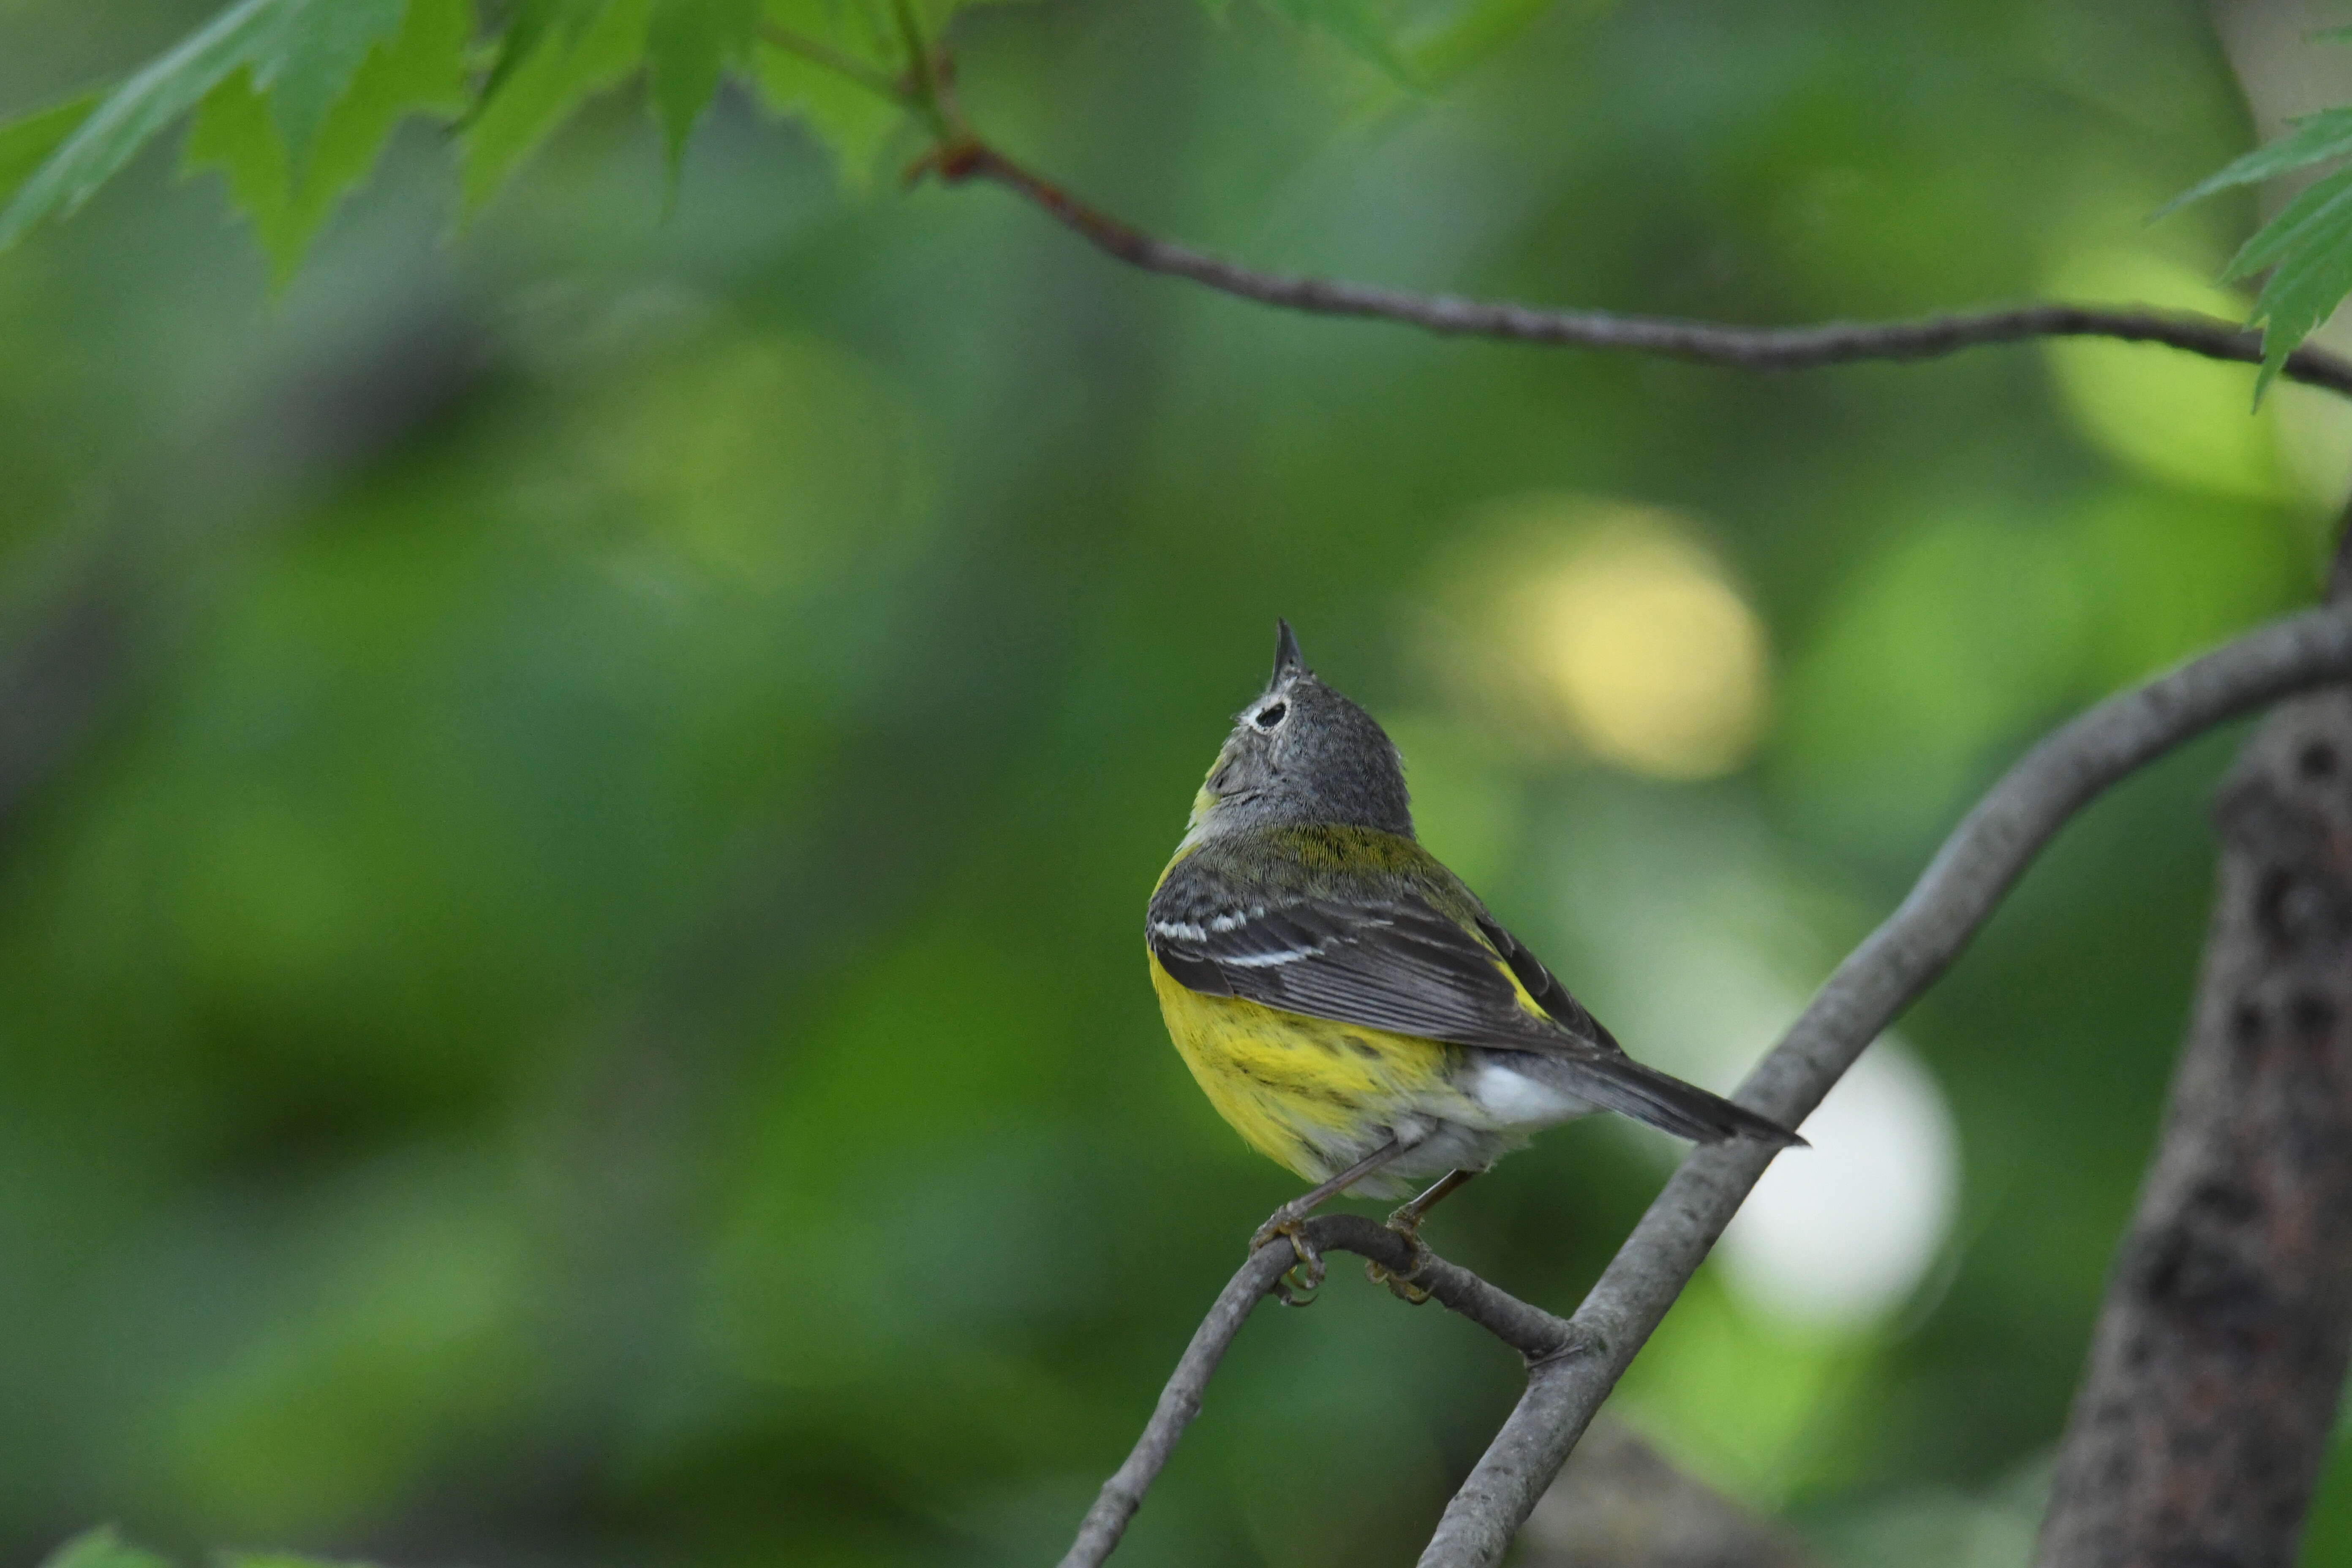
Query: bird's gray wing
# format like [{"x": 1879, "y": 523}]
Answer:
[
  {"x": 1394, "y": 962},
  {"x": 1544, "y": 986}
]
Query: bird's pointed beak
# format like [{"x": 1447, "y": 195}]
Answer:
[{"x": 1288, "y": 660}]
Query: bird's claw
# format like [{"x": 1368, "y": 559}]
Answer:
[
  {"x": 1400, "y": 1286},
  {"x": 1292, "y": 1293},
  {"x": 1406, "y": 1223},
  {"x": 1295, "y": 1287}
]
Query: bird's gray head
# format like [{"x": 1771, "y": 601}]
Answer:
[{"x": 1302, "y": 754}]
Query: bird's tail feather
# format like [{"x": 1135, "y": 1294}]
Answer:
[{"x": 1623, "y": 1085}]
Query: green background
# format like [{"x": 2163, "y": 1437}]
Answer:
[{"x": 570, "y": 980}]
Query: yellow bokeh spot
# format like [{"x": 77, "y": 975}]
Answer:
[{"x": 1624, "y": 633}]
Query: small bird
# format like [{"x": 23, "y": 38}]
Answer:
[{"x": 1346, "y": 1001}]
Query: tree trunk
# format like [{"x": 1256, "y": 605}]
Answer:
[{"x": 2204, "y": 1416}]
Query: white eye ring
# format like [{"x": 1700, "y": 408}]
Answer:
[{"x": 1271, "y": 715}]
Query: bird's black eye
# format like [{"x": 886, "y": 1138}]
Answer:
[{"x": 1270, "y": 715}]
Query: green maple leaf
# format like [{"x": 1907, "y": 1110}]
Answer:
[
  {"x": 304, "y": 56},
  {"x": 689, "y": 45},
  {"x": 2308, "y": 248},
  {"x": 25, "y": 144},
  {"x": 420, "y": 69},
  {"x": 318, "y": 56},
  {"x": 847, "y": 117},
  {"x": 559, "y": 54}
]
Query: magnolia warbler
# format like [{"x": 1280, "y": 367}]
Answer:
[{"x": 1345, "y": 1001}]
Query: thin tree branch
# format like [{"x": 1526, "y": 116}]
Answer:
[
  {"x": 1703, "y": 342},
  {"x": 1982, "y": 859},
  {"x": 1538, "y": 1336},
  {"x": 958, "y": 156},
  {"x": 1180, "y": 1401}
]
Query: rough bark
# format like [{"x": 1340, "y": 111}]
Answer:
[{"x": 2203, "y": 1419}]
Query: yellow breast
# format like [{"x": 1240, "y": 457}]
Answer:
[{"x": 1296, "y": 1087}]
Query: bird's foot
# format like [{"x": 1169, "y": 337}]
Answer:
[
  {"x": 1401, "y": 1286},
  {"x": 1405, "y": 1220},
  {"x": 1297, "y": 1286},
  {"x": 1406, "y": 1223}
]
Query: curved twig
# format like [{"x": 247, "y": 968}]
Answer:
[
  {"x": 1982, "y": 858},
  {"x": 1539, "y": 1337},
  {"x": 1704, "y": 343},
  {"x": 958, "y": 155}
]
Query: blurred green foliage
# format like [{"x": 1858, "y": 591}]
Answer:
[{"x": 570, "y": 968}]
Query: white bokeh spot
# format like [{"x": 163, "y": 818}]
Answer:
[
  {"x": 1694, "y": 917},
  {"x": 1844, "y": 1232}
]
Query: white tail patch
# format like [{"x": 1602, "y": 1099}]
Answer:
[{"x": 1515, "y": 1098}]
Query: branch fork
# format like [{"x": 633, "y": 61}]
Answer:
[
  {"x": 1542, "y": 1340},
  {"x": 1573, "y": 1362}
]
